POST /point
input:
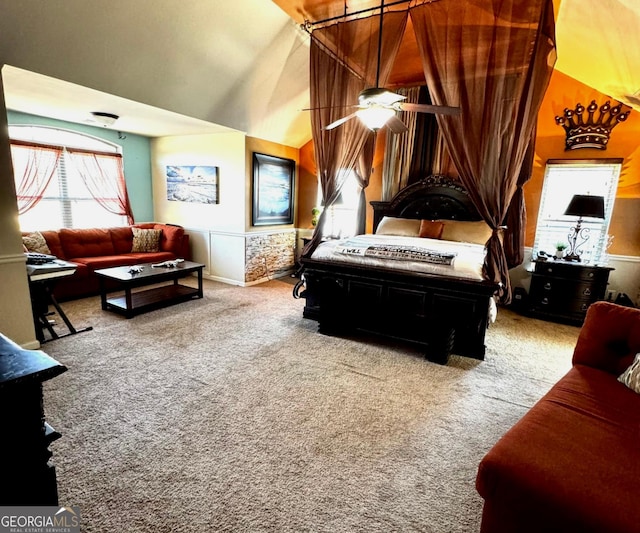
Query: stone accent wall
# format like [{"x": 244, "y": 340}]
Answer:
[{"x": 269, "y": 255}]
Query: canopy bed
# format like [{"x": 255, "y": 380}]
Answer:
[
  {"x": 427, "y": 291},
  {"x": 492, "y": 61}
]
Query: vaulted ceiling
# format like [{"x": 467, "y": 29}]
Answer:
[
  {"x": 598, "y": 41},
  {"x": 169, "y": 67}
]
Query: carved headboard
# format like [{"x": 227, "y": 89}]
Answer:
[{"x": 431, "y": 198}]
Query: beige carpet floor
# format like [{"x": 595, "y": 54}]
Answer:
[{"x": 232, "y": 413}]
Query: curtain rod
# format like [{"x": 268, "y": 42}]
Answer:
[{"x": 310, "y": 26}]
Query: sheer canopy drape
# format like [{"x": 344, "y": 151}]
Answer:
[
  {"x": 344, "y": 61},
  {"x": 103, "y": 176},
  {"x": 33, "y": 168},
  {"x": 398, "y": 154},
  {"x": 516, "y": 220},
  {"x": 493, "y": 59}
]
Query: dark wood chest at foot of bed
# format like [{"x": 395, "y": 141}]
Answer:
[{"x": 441, "y": 315}]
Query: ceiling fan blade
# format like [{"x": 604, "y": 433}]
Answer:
[
  {"x": 328, "y": 107},
  {"x": 426, "y": 108},
  {"x": 339, "y": 122},
  {"x": 396, "y": 125}
]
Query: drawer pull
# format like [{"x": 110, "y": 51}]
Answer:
[
  {"x": 587, "y": 292},
  {"x": 591, "y": 274},
  {"x": 544, "y": 301},
  {"x": 547, "y": 286},
  {"x": 584, "y": 307},
  {"x": 549, "y": 269}
]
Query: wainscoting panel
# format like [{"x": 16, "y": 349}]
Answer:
[{"x": 16, "y": 318}]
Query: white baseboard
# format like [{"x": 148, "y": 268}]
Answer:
[
  {"x": 228, "y": 281},
  {"x": 268, "y": 278},
  {"x": 238, "y": 283},
  {"x": 31, "y": 345}
]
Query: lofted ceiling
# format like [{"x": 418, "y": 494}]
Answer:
[
  {"x": 166, "y": 67},
  {"x": 169, "y": 67},
  {"x": 598, "y": 42}
]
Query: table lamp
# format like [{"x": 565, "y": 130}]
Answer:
[{"x": 582, "y": 205}]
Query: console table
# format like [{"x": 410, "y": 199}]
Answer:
[
  {"x": 562, "y": 291},
  {"x": 27, "y": 475},
  {"x": 42, "y": 279}
]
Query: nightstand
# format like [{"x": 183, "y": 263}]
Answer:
[{"x": 562, "y": 291}]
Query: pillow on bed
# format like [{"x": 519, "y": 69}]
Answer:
[
  {"x": 463, "y": 231},
  {"x": 406, "y": 227},
  {"x": 431, "y": 229}
]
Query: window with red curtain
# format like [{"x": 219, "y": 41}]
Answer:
[{"x": 80, "y": 184}]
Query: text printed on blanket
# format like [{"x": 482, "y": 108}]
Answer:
[{"x": 399, "y": 252}]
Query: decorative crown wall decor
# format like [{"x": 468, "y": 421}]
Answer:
[{"x": 592, "y": 132}]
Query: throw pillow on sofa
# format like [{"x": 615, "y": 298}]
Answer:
[
  {"x": 146, "y": 240},
  {"x": 35, "y": 242},
  {"x": 631, "y": 376}
]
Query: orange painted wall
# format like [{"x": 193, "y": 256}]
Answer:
[
  {"x": 307, "y": 186},
  {"x": 308, "y": 183},
  {"x": 563, "y": 92}
]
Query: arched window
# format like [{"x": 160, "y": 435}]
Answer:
[{"x": 66, "y": 179}]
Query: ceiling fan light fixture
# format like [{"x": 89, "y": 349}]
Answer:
[
  {"x": 375, "y": 117},
  {"x": 104, "y": 119}
]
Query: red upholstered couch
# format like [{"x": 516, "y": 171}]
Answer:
[
  {"x": 572, "y": 463},
  {"x": 92, "y": 249}
]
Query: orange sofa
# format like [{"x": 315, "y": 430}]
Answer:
[
  {"x": 572, "y": 463},
  {"x": 92, "y": 249}
]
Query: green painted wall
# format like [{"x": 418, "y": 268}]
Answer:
[{"x": 136, "y": 154}]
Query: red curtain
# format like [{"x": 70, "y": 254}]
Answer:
[
  {"x": 103, "y": 176},
  {"x": 344, "y": 61},
  {"x": 33, "y": 168},
  {"x": 493, "y": 59}
]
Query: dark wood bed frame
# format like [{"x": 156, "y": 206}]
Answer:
[{"x": 442, "y": 315}]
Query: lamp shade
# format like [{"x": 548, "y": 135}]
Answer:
[{"x": 584, "y": 205}]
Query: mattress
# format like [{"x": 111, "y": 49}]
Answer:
[{"x": 406, "y": 254}]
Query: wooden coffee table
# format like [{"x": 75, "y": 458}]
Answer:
[{"x": 135, "y": 302}]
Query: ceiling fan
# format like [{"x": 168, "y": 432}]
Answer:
[{"x": 377, "y": 106}]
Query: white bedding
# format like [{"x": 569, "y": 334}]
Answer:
[{"x": 466, "y": 263}]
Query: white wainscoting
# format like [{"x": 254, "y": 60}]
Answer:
[
  {"x": 16, "y": 318},
  {"x": 224, "y": 254}
]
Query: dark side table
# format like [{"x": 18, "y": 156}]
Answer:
[{"x": 562, "y": 291}]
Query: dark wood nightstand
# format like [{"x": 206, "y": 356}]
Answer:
[{"x": 562, "y": 291}]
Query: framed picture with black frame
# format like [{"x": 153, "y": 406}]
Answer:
[{"x": 272, "y": 192}]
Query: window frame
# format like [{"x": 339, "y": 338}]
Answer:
[
  {"x": 66, "y": 140},
  {"x": 341, "y": 219},
  {"x": 558, "y": 226}
]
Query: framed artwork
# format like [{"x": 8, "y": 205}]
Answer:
[
  {"x": 192, "y": 183},
  {"x": 272, "y": 194}
]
